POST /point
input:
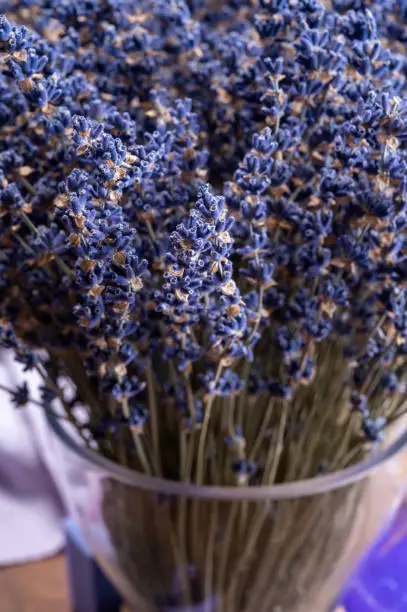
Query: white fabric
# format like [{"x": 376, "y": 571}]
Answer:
[{"x": 31, "y": 476}]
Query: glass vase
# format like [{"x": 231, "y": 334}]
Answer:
[{"x": 176, "y": 547}]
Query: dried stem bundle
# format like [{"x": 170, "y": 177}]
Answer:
[{"x": 251, "y": 332}]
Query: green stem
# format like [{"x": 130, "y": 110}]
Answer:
[
  {"x": 29, "y": 223},
  {"x": 224, "y": 556},
  {"x": 258, "y": 316},
  {"x": 200, "y": 471},
  {"x": 397, "y": 415},
  {"x": 27, "y": 185},
  {"x": 155, "y": 432},
  {"x": 209, "y": 559},
  {"x": 190, "y": 398},
  {"x": 138, "y": 443},
  {"x": 151, "y": 232},
  {"x": 242, "y": 398},
  {"x": 62, "y": 265},
  {"x": 236, "y": 574},
  {"x": 263, "y": 428},
  {"x": 23, "y": 243},
  {"x": 270, "y": 473},
  {"x": 182, "y": 520}
]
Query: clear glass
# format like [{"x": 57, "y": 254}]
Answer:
[{"x": 176, "y": 547}]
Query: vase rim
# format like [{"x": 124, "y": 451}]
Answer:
[{"x": 291, "y": 490}]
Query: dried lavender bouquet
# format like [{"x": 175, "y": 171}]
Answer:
[{"x": 202, "y": 226}]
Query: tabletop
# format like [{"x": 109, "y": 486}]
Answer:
[{"x": 35, "y": 587}]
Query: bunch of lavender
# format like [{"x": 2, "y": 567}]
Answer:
[{"x": 202, "y": 226}]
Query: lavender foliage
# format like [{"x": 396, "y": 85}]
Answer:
[{"x": 203, "y": 216}]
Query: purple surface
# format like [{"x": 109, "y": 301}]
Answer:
[{"x": 379, "y": 584}]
